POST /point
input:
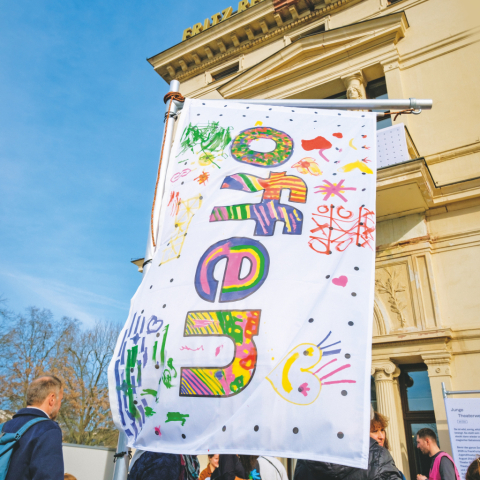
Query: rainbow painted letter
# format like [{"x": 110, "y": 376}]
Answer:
[
  {"x": 239, "y": 325},
  {"x": 235, "y": 250}
]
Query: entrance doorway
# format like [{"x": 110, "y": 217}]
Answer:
[{"x": 417, "y": 406}]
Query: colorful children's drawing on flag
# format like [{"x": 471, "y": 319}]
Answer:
[{"x": 251, "y": 330}]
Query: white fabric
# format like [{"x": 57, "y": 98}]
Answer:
[
  {"x": 305, "y": 313},
  {"x": 138, "y": 453},
  {"x": 272, "y": 468}
]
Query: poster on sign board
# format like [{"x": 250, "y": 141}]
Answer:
[
  {"x": 251, "y": 331},
  {"x": 463, "y": 417}
]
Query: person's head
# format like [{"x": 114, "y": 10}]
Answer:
[
  {"x": 248, "y": 462},
  {"x": 378, "y": 424},
  {"x": 213, "y": 460},
  {"x": 46, "y": 393},
  {"x": 69, "y": 476},
  {"x": 473, "y": 471},
  {"x": 427, "y": 441}
]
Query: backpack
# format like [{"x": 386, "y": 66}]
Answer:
[{"x": 8, "y": 441}]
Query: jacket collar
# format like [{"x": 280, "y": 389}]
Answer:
[{"x": 35, "y": 412}]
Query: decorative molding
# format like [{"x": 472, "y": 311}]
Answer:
[
  {"x": 392, "y": 287},
  {"x": 454, "y": 153},
  {"x": 318, "y": 59},
  {"x": 355, "y": 85},
  {"x": 193, "y": 44},
  {"x": 439, "y": 364},
  {"x": 385, "y": 367}
]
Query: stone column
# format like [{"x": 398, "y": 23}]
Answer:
[
  {"x": 385, "y": 373},
  {"x": 355, "y": 86},
  {"x": 440, "y": 370}
]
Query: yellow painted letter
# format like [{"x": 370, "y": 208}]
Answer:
[{"x": 206, "y": 24}]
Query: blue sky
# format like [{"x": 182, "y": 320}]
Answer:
[{"x": 81, "y": 115}]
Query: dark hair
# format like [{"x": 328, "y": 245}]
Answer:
[
  {"x": 473, "y": 471},
  {"x": 41, "y": 387},
  {"x": 379, "y": 422},
  {"x": 427, "y": 433},
  {"x": 248, "y": 462}
]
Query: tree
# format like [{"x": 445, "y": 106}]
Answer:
[
  {"x": 28, "y": 344},
  {"x": 34, "y": 343},
  {"x": 85, "y": 357}
]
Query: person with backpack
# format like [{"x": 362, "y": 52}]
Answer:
[{"x": 31, "y": 442}]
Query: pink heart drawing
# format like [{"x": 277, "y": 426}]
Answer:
[{"x": 340, "y": 281}]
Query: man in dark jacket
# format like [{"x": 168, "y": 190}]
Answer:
[
  {"x": 380, "y": 467},
  {"x": 38, "y": 455}
]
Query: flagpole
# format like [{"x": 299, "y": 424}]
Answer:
[
  {"x": 122, "y": 455},
  {"x": 170, "y": 116}
]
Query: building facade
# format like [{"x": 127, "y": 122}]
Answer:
[{"x": 427, "y": 296}]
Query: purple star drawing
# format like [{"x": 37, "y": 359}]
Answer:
[{"x": 332, "y": 189}]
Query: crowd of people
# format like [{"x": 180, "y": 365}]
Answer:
[{"x": 31, "y": 449}]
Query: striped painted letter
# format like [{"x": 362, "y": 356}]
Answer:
[
  {"x": 269, "y": 210},
  {"x": 240, "y": 326},
  {"x": 234, "y": 287}
]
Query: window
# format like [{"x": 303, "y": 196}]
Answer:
[
  {"x": 417, "y": 405},
  {"x": 377, "y": 89},
  {"x": 226, "y": 72}
]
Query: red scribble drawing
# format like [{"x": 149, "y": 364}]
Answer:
[
  {"x": 338, "y": 228},
  {"x": 318, "y": 143},
  {"x": 175, "y": 202},
  {"x": 366, "y": 148},
  {"x": 217, "y": 350},
  {"x": 192, "y": 349},
  {"x": 203, "y": 178},
  {"x": 332, "y": 189},
  {"x": 338, "y": 135},
  {"x": 366, "y": 160},
  {"x": 364, "y": 136},
  {"x": 157, "y": 431}
]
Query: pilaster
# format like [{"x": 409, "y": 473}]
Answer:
[
  {"x": 385, "y": 373},
  {"x": 440, "y": 370}
]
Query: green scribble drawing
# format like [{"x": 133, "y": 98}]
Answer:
[
  {"x": 162, "y": 351},
  {"x": 177, "y": 417},
  {"x": 131, "y": 362},
  {"x": 154, "y": 356},
  {"x": 167, "y": 373},
  {"x": 167, "y": 378},
  {"x": 210, "y": 138},
  {"x": 149, "y": 391},
  {"x": 171, "y": 367},
  {"x": 149, "y": 411}
]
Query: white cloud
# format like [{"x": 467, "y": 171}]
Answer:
[{"x": 71, "y": 301}]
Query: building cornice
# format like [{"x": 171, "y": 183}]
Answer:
[
  {"x": 189, "y": 58},
  {"x": 308, "y": 54}
]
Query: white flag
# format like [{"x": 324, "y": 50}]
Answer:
[{"x": 251, "y": 332}]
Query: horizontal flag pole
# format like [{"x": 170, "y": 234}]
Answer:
[
  {"x": 386, "y": 104},
  {"x": 457, "y": 392}
]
